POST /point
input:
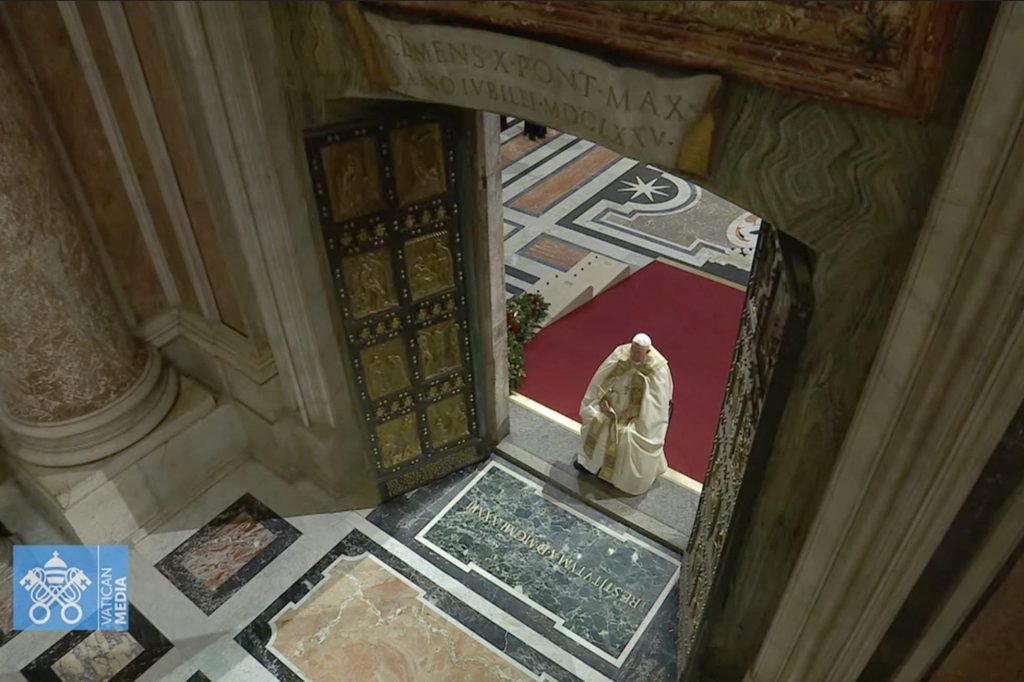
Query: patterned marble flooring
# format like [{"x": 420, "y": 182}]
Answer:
[
  {"x": 566, "y": 198},
  {"x": 488, "y": 574}
]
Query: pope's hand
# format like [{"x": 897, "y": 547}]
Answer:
[{"x": 606, "y": 407}]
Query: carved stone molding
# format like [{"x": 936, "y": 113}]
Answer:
[
  {"x": 945, "y": 383},
  {"x": 75, "y": 385}
]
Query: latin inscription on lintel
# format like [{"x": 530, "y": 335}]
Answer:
[{"x": 625, "y": 109}]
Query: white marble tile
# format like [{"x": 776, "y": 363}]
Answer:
[
  {"x": 192, "y": 460},
  {"x": 533, "y": 157},
  {"x": 512, "y": 131},
  {"x": 116, "y": 510},
  {"x": 223, "y": 660},
  {"x": 204, "y": 643},
  {"x": 23, "y": 649}
]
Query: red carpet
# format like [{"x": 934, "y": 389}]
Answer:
[{"x": 692, "y": 320}]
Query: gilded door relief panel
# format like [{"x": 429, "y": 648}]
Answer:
[
  {"x": 432, "y": 216},
  {"x": 437, "y": 307},
  {"x": 428, "y": 265},
  {"x": 447, "y": 421},
  {"x": 419, "y": 162},
  {"x": 443, "y": 387},
  {"x": 369, "y": 282},
  {"x": 391, "y": 407},
  {"x": 353, "y": 178},
  {"x": 386, "y": 367},
  {"x": 387, "y": 200},
  {"x": 398, "y": 441},
  {"x": 381, "y": 328},
  {"x": 439, "y": 348},
  {"x": 354, "y": 240}
]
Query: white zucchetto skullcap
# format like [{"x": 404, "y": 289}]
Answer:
[{"x": 642, "y": 340}]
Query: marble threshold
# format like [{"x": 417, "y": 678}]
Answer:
[{"x": 665, "y": 514}]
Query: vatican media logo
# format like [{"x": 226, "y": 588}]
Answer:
[{"x": 70, "y": 587}]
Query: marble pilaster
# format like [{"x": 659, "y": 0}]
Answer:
[{"x": 75, "y": 385}]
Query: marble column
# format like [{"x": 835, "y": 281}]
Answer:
[{"x": 75, "y": 385}]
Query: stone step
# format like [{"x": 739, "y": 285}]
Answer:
[{"x": 567, "y": 291}]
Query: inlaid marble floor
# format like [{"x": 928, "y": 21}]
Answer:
[
  {"x": 565, "y": 198},
  {"x": 485, "y": 575}
]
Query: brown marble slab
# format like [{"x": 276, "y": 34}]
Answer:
[
  {"x": 372, "y": 623},
  {"x": 555, "y": 252},
  {"x": 220, "y": 558},
  {"x": 545, "y": 194},
  {"x": 227, "y": 549}
]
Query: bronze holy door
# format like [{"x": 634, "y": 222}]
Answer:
[
  {"x": 388, "y": 202},
  {"x": 773, "y": 327}
]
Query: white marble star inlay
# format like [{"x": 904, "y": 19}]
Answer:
[{"x": 647, "y": 188}]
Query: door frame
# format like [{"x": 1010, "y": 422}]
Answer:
[{"x": 952, "y": 354}]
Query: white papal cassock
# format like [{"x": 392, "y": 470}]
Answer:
[{"x": 627, "y": 448}]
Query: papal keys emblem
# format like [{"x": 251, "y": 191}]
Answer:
[{"x": 55, "y": 583}]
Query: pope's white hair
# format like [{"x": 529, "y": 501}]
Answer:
[{"x": 642, "y": 340}]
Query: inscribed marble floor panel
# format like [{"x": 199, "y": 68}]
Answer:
[
  {"x": 559, "y": 567},
  {"x": 481, "y": 628}
]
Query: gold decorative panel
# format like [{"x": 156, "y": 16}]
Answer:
[
  {"x": 388, "y": 202},
  {"x": 419, "y": 173},
  {"x": 399, "y": 441},
  {"x": 386, "y": 367},
  {"x": 447, "y": 421},
  {"x": 353, "y": 178},
  {"x": 369, "y": 282},
  {"x": 428, "y": 265},
  {"x": 439, "y": 348}
]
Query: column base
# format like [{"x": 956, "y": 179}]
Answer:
[
  {"x": 127, "y": 495},
  {"x": 94, "y": 436}
]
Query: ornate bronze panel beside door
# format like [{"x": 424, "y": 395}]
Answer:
[
  {"x": 773, "y": 326},
  {"x": 388, "y": 204}
]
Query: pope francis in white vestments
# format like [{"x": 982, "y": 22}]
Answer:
[{"x": 625, "y": 417}]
